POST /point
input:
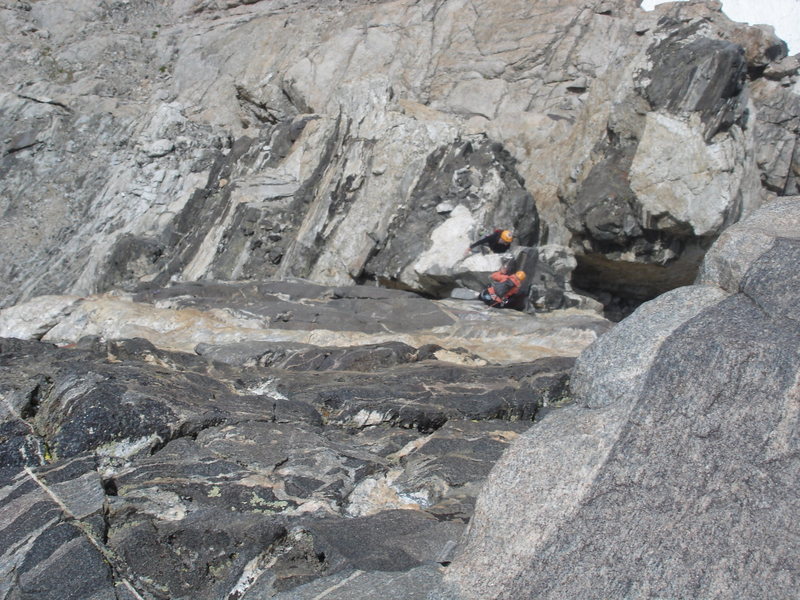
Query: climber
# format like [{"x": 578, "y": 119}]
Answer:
[
  {"x": 498, "y": 241},
  {"x": 500, "y": 293}
]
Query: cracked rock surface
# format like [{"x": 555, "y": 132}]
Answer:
[
  {"x": 241, "y": 355},
  {"x": 673, "y": 473},
  {"x": 256, "y": 467}
]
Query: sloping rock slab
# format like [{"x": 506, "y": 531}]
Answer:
[
  {"x": 52, "y": 532},
  {"x": 425, "y": 395},
  {"x": 194, "y": 318},
  {"x": 420, "y": 583},
  {"x": 82, "y": 399},
  {"x": 675, "y": 473},
  {"x": 306, "y": 357},
  {"x": 394, "y": 540},
  {"x": 171, "y": 475},
  {"x": 305, "y": 306},
  {"x": 390, "y": 542}
]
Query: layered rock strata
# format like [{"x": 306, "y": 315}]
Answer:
[
  {"x": 355, "y": 141},
  {"x": 238, "y": 452},
  {"x": 152, "y": 474}
]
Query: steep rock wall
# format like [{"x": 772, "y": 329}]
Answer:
[{"x": 149, "y": 142}]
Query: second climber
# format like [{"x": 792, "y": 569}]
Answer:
[
  {"x": 503, "y": 289},
  {"x": 498, "y": 241}
]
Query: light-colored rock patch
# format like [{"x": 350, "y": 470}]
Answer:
[{"x": 674, "y": 172}]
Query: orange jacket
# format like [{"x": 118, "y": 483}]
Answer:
[{"x": 502, "y": 291}]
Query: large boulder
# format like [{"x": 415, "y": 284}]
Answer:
[
  {"x": 677, "y": 161},
  {"x": 673, "y": 474}
]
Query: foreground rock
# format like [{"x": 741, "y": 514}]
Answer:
[
  {"x": 674, "y": 473},
  {"x": 252, "y": 467}
]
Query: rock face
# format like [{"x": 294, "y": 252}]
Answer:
[
  {"x": 171, "y": 475},
  {"x": 672, "y": 474},
  {"x": 241, "y": 355},
  {"x": 343, "y": 142},
  {"x": 237, "y": 454},
  {"x": 671, "y": 173}
]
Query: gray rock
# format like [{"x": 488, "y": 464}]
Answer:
[
  {"x": 442, "y": 473},
  {"x": 779, "y": 112},
  {"x": 305, "y": 357},
  {"x": 53, "y": 534},
  {"x": 306, "y": 306},
  {"x": 739, "y": 248},
  {"x": 420, "y": 583},
  {"x": 159, "y": 148},
  {"x": 462, "y": 293},
  {"x": 404, "y": 397},
  {"x": 550, "y": 280},
  {"x": 160, "y": 151},
  {"x": 479, "y": 177},
  {"x": 396, "y": 540},
  {"x": 676, "y": 452},
  {"x": 637, "y": 236},
  {"x": 704, "y": 76},
  {"x": 144, "y": 462},
  {"x": 787, "y": 67},
  {"x": 181, "y": 163}
]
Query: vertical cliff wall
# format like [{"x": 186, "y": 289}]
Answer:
[{"x": 147, "y": 142}]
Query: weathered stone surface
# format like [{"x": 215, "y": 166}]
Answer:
[
  {"x": 306, "y": 306},
  {"x": 643, "y": 217},
  {"x": 368, "y": 140},
  {"x": 479, "y": 179},
  {"x": 166, "y": 519},
  {"x": 779, "y": 115},
  {"x": 197, "y": 185},
  {"x": 38, "y": 317},
  {"x": 52, "y": 532},
  {"x": 426, "y": 396},
  {"x": 250, "y": 315},
  {"x": 437, "y": 473},
  {"x": 704, "y": 76},
  {"x": 681, "y": 443},
  {"x": 420, "y": 583},
  {"x": 697, "y": 170},
  {"x": 172, "y": 473},
  {"x": 738, "y": 249},
  {"x": 126, "y": 403},
  {"x": 361, "y": 543},
  {"x": 783, "y": 69},
  {"x": 305, "y": 357},
  {"x": 549, "y": 282}
]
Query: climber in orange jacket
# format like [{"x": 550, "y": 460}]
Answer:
[{"x": 503, "y": 289}]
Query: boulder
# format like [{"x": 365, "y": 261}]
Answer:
[
  {"x": 640, "y": 229},
  {"x": 672, "y": 473}
]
